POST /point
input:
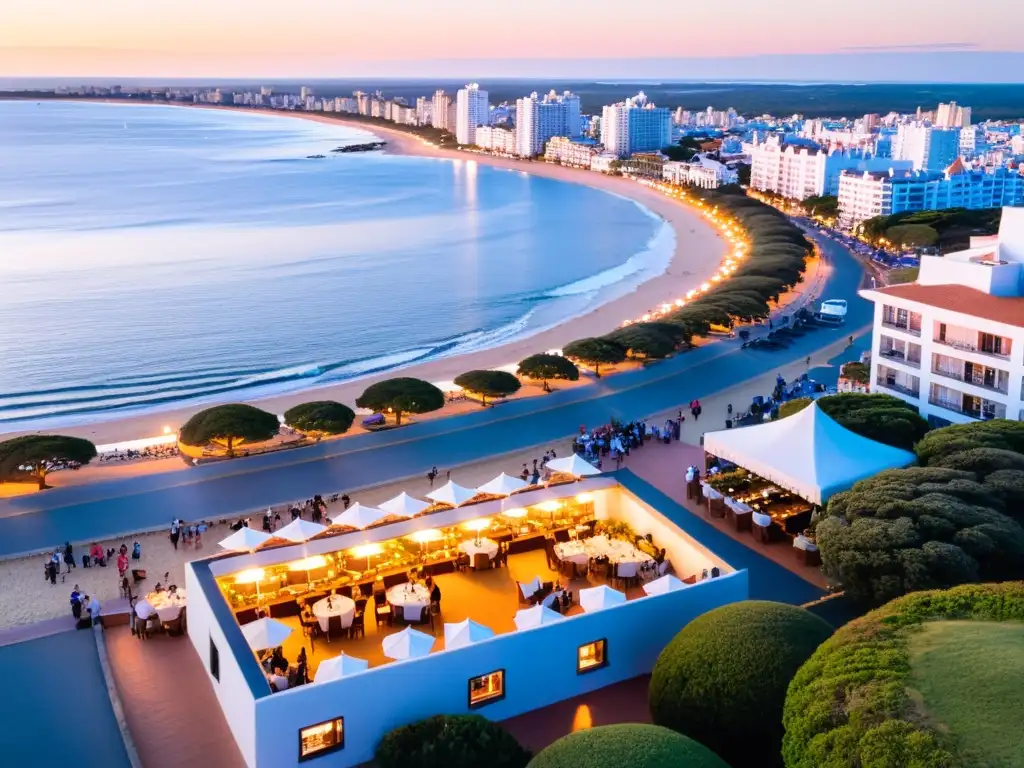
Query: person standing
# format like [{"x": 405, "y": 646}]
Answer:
[
  {"x": 175, "y": 532},
  {"x": 76, "y": 603}
]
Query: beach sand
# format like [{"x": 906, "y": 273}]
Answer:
[{"x": 699, "y": 251}]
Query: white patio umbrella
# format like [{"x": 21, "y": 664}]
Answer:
[
  {"x": 573, "y": 465},
  {"x": 338, "y": 667},
  {"x": 667, "y": 583},
  {"x": 299, "y": 530},
  {"x": 407, "y": 644},
  {"x": 404, "y": 504},
  {"x": 465, "y": 633},
  {"x": 537, "y": 616},
  {"x": 502, "y": 485},
  {"x": 359, "y": 516},
  {"x": 453, "y": 494},
  {"x": 265, "y": 633},
  {"x": 245, "y": 540},
  {"x": 598, "y": 598}
]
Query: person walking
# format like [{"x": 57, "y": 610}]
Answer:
[{"x": 175, "y": 532}]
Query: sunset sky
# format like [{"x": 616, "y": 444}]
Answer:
[{"x": 434, "y": 38}]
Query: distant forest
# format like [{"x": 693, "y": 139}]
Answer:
[{"x": 814, "y": 100}]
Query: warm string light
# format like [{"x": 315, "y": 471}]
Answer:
[{"x": 727, "y": 228}]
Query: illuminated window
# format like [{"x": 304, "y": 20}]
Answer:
[
  {"x": 592, "y": 656},
  {"x": 486, "y": 689},
  {"x": 319, "y": 739}
]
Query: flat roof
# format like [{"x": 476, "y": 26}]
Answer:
[{"x": 1008, "y": 310}]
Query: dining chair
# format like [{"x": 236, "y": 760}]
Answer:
[
  {"x": 334, "y": 628},
  {"x": 358, "y": 628}
]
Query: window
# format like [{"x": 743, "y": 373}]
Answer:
[
  {"x": 486, "y": 689},
  {"x": 321, "y": 739},
  {"x": 592, "y": 656},
  {"x": 214, "y": 660}
]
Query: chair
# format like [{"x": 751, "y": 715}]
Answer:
[
  {"x": 358, "y": 628},
  {"x": 567, "y": 569},
  {"x": 361, "y": 606},
  {"x": 481, "y": 561},
  {"x": 462, "y": 562},
  {"x": 425, "y": 615},
  {"x": 435, "y": 610},
  {"x": 334, "y": 628},
  {"x": 382, "y": 609}
]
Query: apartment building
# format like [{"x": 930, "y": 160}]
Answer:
[
  {"x": 635, "y": 125},
  {"x": 472, "y": 111},
  {"x": 499, "y": 140},
  {"x": 702, "y": 171},
  {"x": 952, "y": 343},
  {"x": 540, "y": 119},
  {"x": 439, "y": 112},
  {"x": 575, "y": 153},
  {"x": 927, "y": 147}
]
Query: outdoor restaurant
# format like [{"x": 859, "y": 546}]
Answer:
[
  {"x": 769, "y": 478},
  {"x": 499, "y": 600}
]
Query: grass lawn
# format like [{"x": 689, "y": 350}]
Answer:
[{"x": 967, "y": 675}]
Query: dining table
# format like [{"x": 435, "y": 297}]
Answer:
[
  {"x": 166, "y": 604},
  {"x": 473, "y": 547},
  {"x": 408, "y": 598},
  {"x": 334, "y": 605}
]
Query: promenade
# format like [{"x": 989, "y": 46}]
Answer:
[{"x": 119, "y": 507}]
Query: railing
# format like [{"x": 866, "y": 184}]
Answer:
[
  {"x": 965, "y": 346},
  {"x": 900, "y": 357},
  {"x": 984, "y": 414},
  {"x": 977, "y": 381},
  {"x": 898, "y": 387},
  {"x": 903, "y": 328}
]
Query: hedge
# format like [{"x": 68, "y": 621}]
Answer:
[
  {"x": 450, "y": 741},
  {"x": 628, "y": 745},
  {"x": 849, "y": 704},
  {"x": 722, "y": 680}
]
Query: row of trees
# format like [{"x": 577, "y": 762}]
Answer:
[{"x": 775, "y": 263}]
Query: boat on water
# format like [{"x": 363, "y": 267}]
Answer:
[
  {"x": 833, "y": 311},
  {"x": 372, "y": 146},
  {"x": 315, "y": 157}
]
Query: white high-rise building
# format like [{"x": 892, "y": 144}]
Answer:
[
  {"x": 472, "y": 111},
  {"x": 540, "y": 119},
  {"x": 952, "y": 116},
  {"x": 927, "y": 147},
  {"x": 950, "y": 343},
  {"x": 439, "y": 111},
  {"x": 305, "y": 93},
  {"x": 615, "y": 129},
  {"x": 424, "y": 110},
  {"x": 635, "y": 125}
]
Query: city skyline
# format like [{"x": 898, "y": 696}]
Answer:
[{"x": 316, "y": 38}]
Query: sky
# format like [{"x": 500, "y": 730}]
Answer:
[{"x": 524, "y": 38}]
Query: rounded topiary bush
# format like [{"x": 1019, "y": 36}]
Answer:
[
  {"x": 722, "y": 680},
  {"x": 627, "y": 746},
  {"x": 450, "y": 741}
]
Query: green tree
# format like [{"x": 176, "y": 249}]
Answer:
[
  {"x": 489, "y": 383},
  {"x": 450, "y": 741},
  {"x": 997, "y": 433},
  {"x": 543, "y": 367},
  {"x": 856, "y": 372},
  {"x": 231, "y": 424},
  {"x": 727, "y": 664},
  {"x": 40, "y": 454},
  {"x": 642, "y": 340},
  {"x": 596, "y": 352},
  {"x": 325, "y": 416},
  {"x": 911, "y": 236},
  {"x": 401, "y": 395},
  {"x": 824, "y": 206},
  {"x": 626, "y": 745}
]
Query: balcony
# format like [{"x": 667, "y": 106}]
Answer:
[
  {"x": 985, "y": 412},
  {"x": 964, "y": 346},
  {"x": 905, "y": 328},
  {"x": 903, "y": 390},
  {"x": 977, "y": 380},
  {"x": 899, "y": 356}
]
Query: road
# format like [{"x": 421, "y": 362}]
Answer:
[{"x": 120, "y": 507}]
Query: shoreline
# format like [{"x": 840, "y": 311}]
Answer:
[{"x": 697, "y": 254}]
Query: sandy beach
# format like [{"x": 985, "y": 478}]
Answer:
[{"x": 699, "y": 250}]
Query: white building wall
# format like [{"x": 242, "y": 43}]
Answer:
[{"x": 471, "y": 112}]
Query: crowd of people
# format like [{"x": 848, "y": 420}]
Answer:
[{"x": 616, "y": 439}]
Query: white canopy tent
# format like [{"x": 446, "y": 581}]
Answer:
[
  {"x": 537, "y": 616},
  {"x": 245, "y": 540},
  {"x": 808, "y": 453},
  {"x": 502, "y": 485},
  {"x": 359, "y": 516},
  {"x": 407, "y": 644},
  {"x": 299, "y": 530},
  {"x": 451, "y": 493},
  {"x": 465, "y": 633},
  {"x": 265, "y": 633},
  {"x": 666, "y": 583},
  {"x": 574, "y": 465},
  {"x": 405, "y": 505},
  {"x": 339, "y": 667},
  {"x": 599, "y": 598}
]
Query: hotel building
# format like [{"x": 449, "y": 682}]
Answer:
[
  {"x": 519, "y": 659},
  {"x": 440, "y": 110},
  {"x": 635, "y": 125},
  {"x": 952, "y": 343},
  {"x": 701, "y": 172},
  {"x": 499, "y": 140},
  {"x": 575, "y": 153},
  {"x": 928, "y": 148},
  {"x": 864, "y": 195},
  {"x": 472, "y": 111},
  {"x": 539, "y": 119}
]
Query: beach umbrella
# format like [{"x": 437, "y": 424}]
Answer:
[
  {"x": 338, "y": 667},
  {"x": 502, "y": 485},
  {"x": 453, "y": 494},
  {"x": 359, "y": 516},
  {"x": 573, "y": 465},
  {"x": 599, "y": 598},
  {"x": 265, "y": 633},
  {"x": 245, "y": 540},
  {"x": 464, "y": 633},
  {"x": 405, "y": 505},
  {"x": 299, "y": 530},
  {"x": 537, "y": 616},
  {"x": 667, "y": 583},
  {"x": 407, "y": 644}
]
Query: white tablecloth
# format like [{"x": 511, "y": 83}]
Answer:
[
  {"x": 409, "y": 599},
  {"x": 485, "y": 547},
  {"x": 616, "y": 550},
  {"x": 166, "y": 605},
  {"x": 334, "y": 605}
]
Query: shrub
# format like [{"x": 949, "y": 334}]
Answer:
[
  {"x": 849, "y": 704},
  {"x": 722, "y": 680},
  {"x": 401, "y": 395},
  {"x": 626, "y": 746},
  {"x": 320, "y": 416},
  {"x": 546, "y": 367},
  {"x": 489, "y": 383},
  {"x": 997, "y": 433},
  {"x": 450, "y": 741},
  {"x": 883, "y": 418},
  {"x": 230, "y": 423}
]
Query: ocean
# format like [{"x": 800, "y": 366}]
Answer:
[{"x": 153, "y": 257}]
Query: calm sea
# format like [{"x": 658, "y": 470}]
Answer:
[{"x": 156, "y": 256}]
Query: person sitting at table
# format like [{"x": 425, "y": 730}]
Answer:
[
  {"x": 435, "y": 591},
  {"x": 660, "y": 557},
  {"x": 277, "y": 678},
  {"x": 277, "y": 659},
  {"x": 159, "y": 587}
]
